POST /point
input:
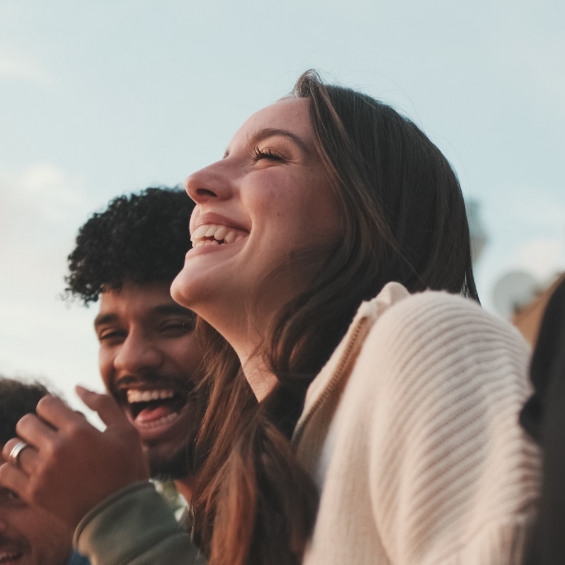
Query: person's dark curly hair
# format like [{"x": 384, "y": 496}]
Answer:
[
  {"x": 17, "y": 398},
  {"x": 139, "y": 238}
]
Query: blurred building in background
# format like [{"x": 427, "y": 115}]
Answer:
[
  {"x": 521, "y": 299},
  {"x": 527, "y": 318},
  {"x": 476, "y": 228},
  {"x": 517, "y": 295},
  {"x": 513, "y": 291}
]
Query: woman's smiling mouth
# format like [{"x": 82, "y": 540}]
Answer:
[{"x": 214, "y": 234}]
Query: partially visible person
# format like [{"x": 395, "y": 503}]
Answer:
[
  {"x": 28, "y": 535},
  {"x": 126, "y": 257},
  {"x": 543, "y": 416}
]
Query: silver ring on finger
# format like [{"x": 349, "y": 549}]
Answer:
[{"x": 16, "y": 450}]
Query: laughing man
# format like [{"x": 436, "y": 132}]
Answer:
[{"x": 127, "y": 256}]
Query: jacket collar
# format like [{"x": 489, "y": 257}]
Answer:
[{"x": 339, "y": 365}]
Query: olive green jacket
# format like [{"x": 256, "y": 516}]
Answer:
[{"x": 135, "y": 526}]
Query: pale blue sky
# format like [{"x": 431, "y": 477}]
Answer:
[{"x": 103, "y": 97}]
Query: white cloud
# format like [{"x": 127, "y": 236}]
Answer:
[
  {"x": 18, "y": 67},
  {"x": 41, "y": 208},
  {"x": 37, "y": 197}
]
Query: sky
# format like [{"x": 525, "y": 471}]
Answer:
[{"x": 100, "y": 98}]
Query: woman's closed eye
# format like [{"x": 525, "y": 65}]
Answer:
[{"x": 269, "y": 153}]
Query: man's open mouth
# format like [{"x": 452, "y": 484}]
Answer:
[{"x": 153, "y": 407}]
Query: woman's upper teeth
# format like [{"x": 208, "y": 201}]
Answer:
[
  {"x": 210, "y": 233},
  {"x": 148, "y": 395}
]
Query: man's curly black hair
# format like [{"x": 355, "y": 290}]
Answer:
[
  {"x": 139, "y": 238},
  {"x": 17, "y": 399}
]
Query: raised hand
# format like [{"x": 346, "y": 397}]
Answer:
[{"x": 69, "y": 466}]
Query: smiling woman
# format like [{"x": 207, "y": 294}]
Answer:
[
  {"x": 333, "y": 275},
  {"x": 335, "y": 196}
]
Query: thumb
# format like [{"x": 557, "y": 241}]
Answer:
[{"x": 104, "y": 405}]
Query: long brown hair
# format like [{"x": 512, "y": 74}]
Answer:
[{"x": 404, "y": 220}]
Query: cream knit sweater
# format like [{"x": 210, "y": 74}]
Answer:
[{"x": 411, "y": 433}]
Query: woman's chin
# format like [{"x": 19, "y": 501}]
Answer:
[
  {"x": 184, "y": 289},
  {"x": 193, "y": 289}
]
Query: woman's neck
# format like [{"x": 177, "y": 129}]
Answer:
[
  {"x": 247, "y": 341},
  {"x": 260, "y": 379},
  {"x": 245, "y": 322}
]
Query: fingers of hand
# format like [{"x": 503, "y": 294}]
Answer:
[
  {"x": 35, "y": 431},
  {"x": 119, "y": 430},
  {"x": 106, "y": 407},
  {"x": 59, "y": 430},
  {"x": 55, "y": 412},
  {"x": 25, "y": 461}
]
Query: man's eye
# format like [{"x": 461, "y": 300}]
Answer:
[
  {"x": 183, "y": 326},
  {"x": 111, "y": 335}
]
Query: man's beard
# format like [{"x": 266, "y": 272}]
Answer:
[{"x": 179, "y": 466}]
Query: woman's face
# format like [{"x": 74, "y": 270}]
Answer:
[{"x": 266, "y": 199}]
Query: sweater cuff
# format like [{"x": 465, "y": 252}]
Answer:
[{"x": 126, "y": 525}]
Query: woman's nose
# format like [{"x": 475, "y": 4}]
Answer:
[{"x": 211, "y": 183}]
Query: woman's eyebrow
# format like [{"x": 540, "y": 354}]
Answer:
[{"x": 265, "y": 133}]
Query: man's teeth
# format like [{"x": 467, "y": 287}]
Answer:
[
  {"x": 148, "y": 395},
  {"x": 217, "y": 233}
]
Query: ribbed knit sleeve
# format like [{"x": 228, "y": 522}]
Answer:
[
  {"x": 453, "y": 477},
  {"x": 424, "y": 462}
]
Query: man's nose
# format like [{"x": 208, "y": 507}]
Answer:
[{"x": 137, "y": 353}]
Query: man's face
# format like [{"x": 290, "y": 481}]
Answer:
[
  {"x": 28, "y": 536},
  {"x": 149, "y": 360}
]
